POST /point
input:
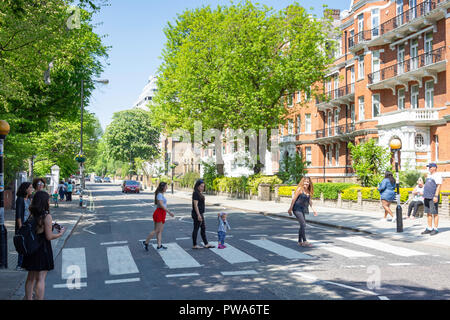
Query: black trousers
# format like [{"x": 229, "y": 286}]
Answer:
[
  {"x": 300, "y": 215},
  {"x": 415, "y": 205},
  {"x": 199, "y": 225}
]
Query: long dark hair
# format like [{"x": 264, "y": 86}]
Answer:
[
  {"x": 22, "y": 191},
  {"x": 197, "y": 185},
  {"x": 388, "y": 175},
  {"x": 160, "y": 189},
  {"x": 39, "y": 207}
]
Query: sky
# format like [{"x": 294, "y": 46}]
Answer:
[{"x": 134, "y": 31}]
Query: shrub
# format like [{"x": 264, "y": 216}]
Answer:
[
  {"x": 371, "y": 193},
  {"x": 286, "y": 191},
  {"x": 188, "y": 180},
  {"x": 255, "y": 181},
  {"x": 330, "y": 190}
]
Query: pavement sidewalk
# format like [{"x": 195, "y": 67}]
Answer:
[
  {"x": 68, "y": 214},
  {"x": 361, "y": 221}
]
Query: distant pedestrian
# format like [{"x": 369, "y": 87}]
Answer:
[
  {"x": 299, "y": 206},
  {"x": 387, "y": 194},
  {"x": 198, "y": 210},
  {"x": 431, "y": 196},
  {"x": 69, "y": 191},
  {"x": 159, "y": 217},
  {"x": 222, "y": 232},
  {"x": 40, "y": 262},
  {"x": 23, "y": 202},
  {"x": 417, "y": 199},
  {"x": 61, "y": 190}
]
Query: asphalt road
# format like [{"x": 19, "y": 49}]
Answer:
[{"x": 104, "y": 259}]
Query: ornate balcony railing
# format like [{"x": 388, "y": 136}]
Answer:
[
  {"x": 401, "y": 19},
  {"x": 421, "y": 115},
  {"x": 335, "y": 130},
  {"x": 411, "y": 64},
  {"x": 337, "y": 93}
]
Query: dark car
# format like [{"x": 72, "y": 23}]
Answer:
[
  {"x": 98, "y": 180},
  {"x": 106, "y": 179},
  {"x": 130, "y": 186}
]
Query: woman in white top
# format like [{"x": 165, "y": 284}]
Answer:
[
  {"x": 159, "y": 216},
  {"x": 417, "y": 200}
]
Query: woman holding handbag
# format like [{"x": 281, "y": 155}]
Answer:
[{"x": 299, "y": 206}]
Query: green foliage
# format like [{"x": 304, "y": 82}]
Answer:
[
  {"x": 408, "y": 178},
  {"x": 370, "y": 161},
  {"x": 330, "y": 190},
  {"x": 286, "y": 191},
  {"x": 244, "y": 184},
  {"x": 188, "y": 180},
  {"x": 292, "y": 169},
  {"x": 255, "y": 181},
  {"x": 209, "y": 174},
  {"x": 371, "y": 193}
]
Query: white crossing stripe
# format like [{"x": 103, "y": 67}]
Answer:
[
  {"x": 74, "y": 257},
  {"x": 113, "y": 243},
  {"x": 175, "y": 257},
  {"x": 182, "y": 275},
  {"x": 341, "y": 251},
  {"x": 70, "y": 285},
  {"x": 120, "y": 261},
  {"x": 238, "y": 273},
  {"x": 279, "y": 249},
  {"x": 122, "y": 280},
  {"x": 231, "y": 254},
  {"x": 378, "y": 245}
]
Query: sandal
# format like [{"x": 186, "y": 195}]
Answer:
[
  {"x": 306, "y": 244},
  {"x": 209, "y": 246},
  {"x": 196, "y": 247}
]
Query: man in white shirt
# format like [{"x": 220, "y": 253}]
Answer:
[{"x": 431, "y": 192}]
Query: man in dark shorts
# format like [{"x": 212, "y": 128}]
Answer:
[{"x": 431, "y": 193}]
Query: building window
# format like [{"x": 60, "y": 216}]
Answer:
[
  {"x": 375, "y": 22},
  {"x": 336, "y": 155},
  {"x": 299, "y": 124},
  {"x": 414, "y": 96},
  {"x": 419, "y": 141},
  {"x": 429, "y": 94},
  {"x": 290, "y": 126},
  {"x": 414, "y": 53},
  {"x": 361, "y": 108},
  {"x": 436, "y": 147},
  {"x": 330, "y": 155},
  {"x": 336, "y": 121},
  {"x": 401, "y": 99},
  {"x": 299, "y": 97},
  {"x": 329, "y": 118},
  {"x": 308, "y": 155},
  {"x": 290, "y": 100},
  {"x": 352, "y": 113},
  {"x": 375, "y": 105},
  {"x": 361, "y": 67},
  {"x": 429, "y": 48},
  {"x": 376, "y": 66},
  {"x": 308, "y": 122}
]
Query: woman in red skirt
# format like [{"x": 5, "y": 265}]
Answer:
[{"x": 159, "y": 216}]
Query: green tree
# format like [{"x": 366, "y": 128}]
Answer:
[
  {"x": 370, "y": 161},
  {"x": 292, "y": 169},
  {"x": 230, "y": 67},
  {"x": 131, "y": 135}
]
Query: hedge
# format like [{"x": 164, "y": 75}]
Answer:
[
  {"x": 330, "y": 190},
  {"x": 243, "y": 184}
]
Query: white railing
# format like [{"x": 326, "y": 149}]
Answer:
[
  {"x": 409, "y": 115},
  {"x": 287, "y": 138}
]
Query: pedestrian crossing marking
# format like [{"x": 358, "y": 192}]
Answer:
[
  {"x": 378, "y": 245},
  {"x": 238, "y": 273},
  {"x": 182, "y": 275},
  {"x": 341, "y": 251},
  {"x": 122, "y": 280},
  {"x": 73, "y": 257},
  {"x": 120, "y": 261},
  {"x": 176, "y": 257},
  {"x": 231, "y": 254},
  {"x": 279, "y": 249}
]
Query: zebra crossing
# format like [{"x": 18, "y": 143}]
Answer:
[{"x": 123, "y": 268}]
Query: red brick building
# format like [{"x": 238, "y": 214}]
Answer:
[{"x": 390, "y": 79}]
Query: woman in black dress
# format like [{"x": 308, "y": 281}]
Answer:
[
  {"x": 198, "y": 209},
  {"x": 41, "y": 261},
  {"x": 299, "y": 206}
]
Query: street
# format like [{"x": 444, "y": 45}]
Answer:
[{"x": 262, "y": 260}]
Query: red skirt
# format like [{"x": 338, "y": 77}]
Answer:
[{"x": 159, "y": 215}]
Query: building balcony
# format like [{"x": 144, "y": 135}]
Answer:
[
  {"x": 413, "y": 69},
  {"x": 412, "y": 20},
  {"x": 336, "y": 131},
  {"x": 287, "y": 138},
  {"x": 421, "y": 116},
  {"x": 342, "y": 95}
]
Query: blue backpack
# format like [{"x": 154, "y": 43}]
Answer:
[{"x": 26, "y": 240}]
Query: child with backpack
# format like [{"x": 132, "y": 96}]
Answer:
[{"x": 222, "y": 232}]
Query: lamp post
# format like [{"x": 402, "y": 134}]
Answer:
[
  {"x": 173, "y": 166},
  {"x": 4, "y": 130},
  {"x": 82, "y": 180},
  {"x": 396, "y": 145}
]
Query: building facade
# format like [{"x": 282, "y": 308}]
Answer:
[{"x": 390, "y": 79}]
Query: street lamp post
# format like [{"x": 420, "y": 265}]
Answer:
[
  {"x": 173, "y": 166},
  {"x": 82, "y": 180},
  {"x": 4, "y": 130},
  {"x": 396, "y": 145}
]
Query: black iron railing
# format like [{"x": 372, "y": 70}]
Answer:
[
  {"x": 337, "y": 93},
  {"x": 411, "y": 64},
  {"x": 335, "y": 130}
]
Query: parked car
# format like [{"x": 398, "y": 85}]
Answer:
[
  {"x": 107, "y": 179},
  {"x": 98, "y": 180},
  {"x": 130, "y": 186}
]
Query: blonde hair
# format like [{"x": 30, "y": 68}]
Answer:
[{"x": 300, "y": 187}]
